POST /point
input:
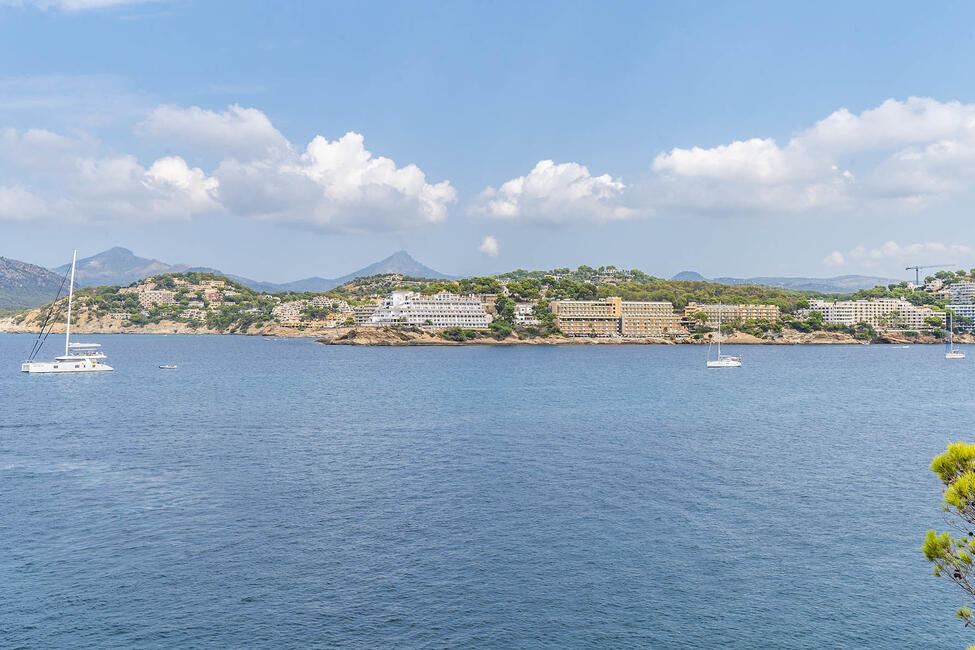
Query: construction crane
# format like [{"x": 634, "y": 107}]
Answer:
[{"x": 917, "y": 270}]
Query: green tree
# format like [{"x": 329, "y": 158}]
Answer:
[
  {"x": 505, "y": 308},
  {"x": 952, "y": 556}
]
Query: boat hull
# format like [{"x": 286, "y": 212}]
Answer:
[
  {"x": 50, "y": 367},
  {"x": 954, "y": 355},
  {"x": 725, "y": 363}
]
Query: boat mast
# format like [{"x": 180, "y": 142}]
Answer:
[
  {"x": 67, "y": 329},
  {"x": 719, "y": 330}
]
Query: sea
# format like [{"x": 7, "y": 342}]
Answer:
[{"x": 280, "y": 493}]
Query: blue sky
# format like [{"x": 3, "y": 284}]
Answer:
[{"x": 728, "y": 138}]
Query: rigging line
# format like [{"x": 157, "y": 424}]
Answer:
[{"x": 37, "y": 348}]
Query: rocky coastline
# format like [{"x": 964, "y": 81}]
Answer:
[{"x": 391, "y": 336}]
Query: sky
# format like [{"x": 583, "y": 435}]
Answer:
[{"x": 280, "y": 140}]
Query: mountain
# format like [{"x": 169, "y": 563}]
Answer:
[
  {"x": 26, "y": 285},
  {"x": 400, "y": 262},
  {"x": 120, "y": 266},
  {"x": 837, "y": 284},
  {"x": 690, "y": 276},
  {"x": 117, "y": 266}
]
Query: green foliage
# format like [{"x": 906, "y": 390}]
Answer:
[
  {"x": 505, "y": 308},
  {"x": 863, "y": 331},
  {"x": 501, "y": 329},
  {"x": 952, "y": 556},
  {"x": 459, "y": 334},
  {"x": 479, "y": 285}
]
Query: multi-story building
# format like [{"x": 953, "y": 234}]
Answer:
[
  {"x": 152, "y": 297},
  {"x": 525, "y": 314},
  {"x": 599, "y": 318},
  {"x": 732, "y": 313},
  {"x": 966, "y": 310},
  {"x": 194, "y": 314},
  {"x": 614, "y": 317},
  {"x": 647, "y": 319},
  {"x": 289, "y": 313},
  {"x": 437, "y": 311},
  {"x": 882, "y": 313},
  {"x": 326, "y": 302},
  {"x": 362, "y": 313},
  {"x": 962, "y": 293}
]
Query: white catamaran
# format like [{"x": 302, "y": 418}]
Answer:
[
  {"x": 723, "y": 360},
  {"x": 78, "y": 357},
  {"x": 951, "y": 352}
]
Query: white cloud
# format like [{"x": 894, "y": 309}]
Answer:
[
  {"x": 237, "y": 132},
  {"x": 834, "y": 259},
  {"x": 335, "y": 185},
  {"x": 891, "y": 251},
  {"x": 555, "y": 194},
  {"x": 909, "y": 154},
  {"x": 489, "y": 246},
  {"x": 52, "y": 176},
  {"x": 73, "y": 5}
]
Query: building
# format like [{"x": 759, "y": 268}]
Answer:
[
  {"x": 438, "y": 311},
  {"x": 732, "y": 313},
  {"x": 647, "y": 319},
  {"x": 151, "y": 297},
  {"x": 962, "y": 293},
  {"x": 194, "y": 314},
  {"x": 966, "y": 310},
  {"x": 881, "y": 314},
  {"x": 614, "y": 317},
  {"x": 525, "y": 314},
  {"x": 328, "y": 302},
  {"x": 362, "y": 313}
]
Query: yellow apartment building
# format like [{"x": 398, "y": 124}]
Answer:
[{"x": 614, "y": 317}]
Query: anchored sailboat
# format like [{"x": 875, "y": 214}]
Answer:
[
  {"x": 723, "y": 360},
  {"x": 951, "y": 352},
  {"x": 77, "y": 357}
]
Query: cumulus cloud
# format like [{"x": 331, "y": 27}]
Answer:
[
  {"x": 911, "y": 154},
  {"x": 556, "y": 193},
  {"x": 334, "y": 185},
  {"x": 834, "y": 259},
  {"x": 489, "y": 246},
  {"x": 891, "y": 251},
  {"x": 51, "y": 176},
  {"x": 237, "y": 132}
]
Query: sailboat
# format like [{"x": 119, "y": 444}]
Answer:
[
  {"x": 77, "y": 357},
  {"x": 951, "y": 352},
  {"x": 723, "y": 360}
]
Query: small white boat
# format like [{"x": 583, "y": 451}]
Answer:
[
  {"x": 951, "y": 352},
  {"x": 169, "y": 366},
  {"x": 723, "y": 360},
  {"x": 77, "y": 357}
]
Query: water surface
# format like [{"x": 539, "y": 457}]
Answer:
[{"x": 284, "y": 493}]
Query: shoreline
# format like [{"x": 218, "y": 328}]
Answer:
[{"x": 389, "y": 336}]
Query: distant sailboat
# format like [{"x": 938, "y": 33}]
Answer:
[
  {"x": 77, "y": 357},
  {"x": 723, "y": 360},
  {"x": 951, "y": 352}
]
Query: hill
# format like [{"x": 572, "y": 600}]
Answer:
[
  {"x": 117, "y": 267},
  {"x": 26, "y": 285},
  {"x": 837, "y": 284}
]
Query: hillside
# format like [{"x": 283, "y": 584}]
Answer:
[
  {"x": 837, "y": 284},
  {"x": 26, "y": 285}
]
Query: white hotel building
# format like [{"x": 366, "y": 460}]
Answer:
[
  {"x": 882, "y": 313},
  {"x": 437, "y": 311}
]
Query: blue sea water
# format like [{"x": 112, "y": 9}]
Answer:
[{"x": 288, "y": 494}]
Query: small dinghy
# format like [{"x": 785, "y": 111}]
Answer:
[{"x": 169, "y": 366}]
